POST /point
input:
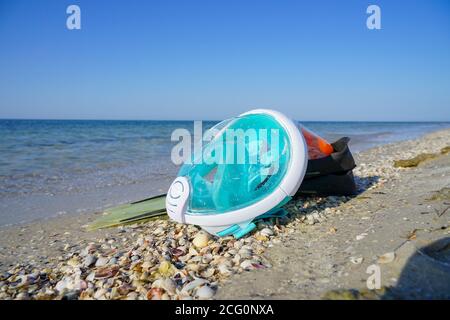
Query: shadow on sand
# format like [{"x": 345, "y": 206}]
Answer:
[{"x": 426, "y": 274}]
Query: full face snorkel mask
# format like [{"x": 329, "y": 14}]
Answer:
[{"x": 252, "y": 166}]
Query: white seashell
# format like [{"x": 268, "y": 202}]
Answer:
[
  {"x": 237, "y": 245},
  {"x": 194, "y": 284},
  {"x": 205, "y": 292},
  {"x": 101, "y": 261},
  {"x": 208, "y": 273},
  {"x": 201, "y": 240},
  {"x": 361, "y": 236},
  {"x": 158, "y": 231},
  {"x": 247, "y": 265},
  {"x": 90, "y": 277},
  {"x": 356, "y": 260},
  {"x": 224, "y": 269},
  {"x": 61, "y": 285},
  {"x": 245, "y": 253},
  {"x": 192, "y": 251},
  {"x": 207, "y": 258},
  {"x": 192, "y": 267},
  {"x": 387, "y": 257},
  {"x": 166, "y": 284},
  {"x": 100, "y": 293},
  {"x": 266, "y": 232}
]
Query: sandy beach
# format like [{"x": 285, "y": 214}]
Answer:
[{"x": 399, "y": 222}]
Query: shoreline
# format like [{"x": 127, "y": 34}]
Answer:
[
  {"x": 60, "y": 243},
  {"x": 56, "y": 191}
]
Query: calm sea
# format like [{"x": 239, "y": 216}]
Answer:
[{"x": 51, "y": 167}]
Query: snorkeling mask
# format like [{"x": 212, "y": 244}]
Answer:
[{"x": 252, "y": 165}]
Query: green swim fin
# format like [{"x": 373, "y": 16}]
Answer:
[{"x": 138, "y": 211}]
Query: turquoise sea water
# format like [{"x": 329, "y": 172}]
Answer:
[{"x": 50, "y": 167}]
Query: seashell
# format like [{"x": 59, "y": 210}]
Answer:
[
  {"x": 176, "y": 252},
  {"x": 266, "y": 232},
  {"x": 207, "y": 258},
  {"x": 361, "y": 236},
  {"x": 261, "y": 237},
  {"x": 166, "y": 284},
  {"x": 166, "y": 269},
  {"x": 124, "y": 289},
  {"x": 155, "y": 294},
  {"x": 224, "y": 269},
  {"x": 61, "y": 285},
  {"x": 114, "y": 293},
  {"x": 196, "y": 259},
  {"x": 91, "y": 277},
  {"x": 237, "y": 245},
  {"x": 201, "y": 240},
  {"x": 356, "y": 260},
  {"x": 205, "y": 292},
  {"x": 132, "y": 296},
  {"x": 146, "y": 265},
  {"x": 192, "y": 251},
  {"x": 193, "y": 267},
  {"x": 245, "y": 253},
  {"x": 100, "y": 293},
  {"x": 82, "y": 285},
  {"x": 247, "y": 265},
  {"x": 101, "y": 261},
  {"x": 237, "y": 259},
  {"x": 106, "y": 272},
  {"x": 73, "y": 262},
  {"x": 158, "y": 231},
  {"x": 208, "y": 273},
  {"x": 91, "y": 248},
  {"x": 194, "y": 284},
  {"x": 165, "y": 296},
  {"x": 215, "y": 249},
  {"x": 387, "y": 257}
]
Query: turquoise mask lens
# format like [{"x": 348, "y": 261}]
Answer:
[{"x": 250, "y": 166}]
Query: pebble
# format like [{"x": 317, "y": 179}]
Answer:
[{"x": 89, "y": 260}]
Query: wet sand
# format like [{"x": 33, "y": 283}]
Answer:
[{"x": 322, "y": 250}]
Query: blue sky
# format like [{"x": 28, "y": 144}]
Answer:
[{"x": 313, "y": 60}]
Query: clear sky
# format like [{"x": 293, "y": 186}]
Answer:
[{"x": 214, "y": 59}]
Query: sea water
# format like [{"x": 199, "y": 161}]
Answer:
[{"x": 52, "y": 167}]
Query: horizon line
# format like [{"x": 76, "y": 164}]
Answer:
[{"x": 215, "y": 120}]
